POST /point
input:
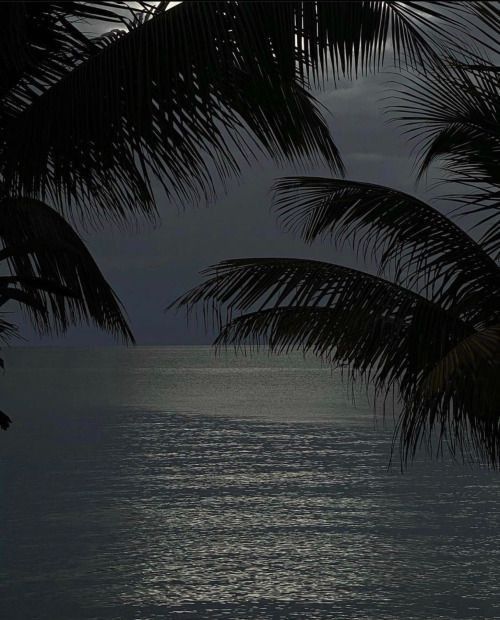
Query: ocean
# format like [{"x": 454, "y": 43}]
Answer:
[{"x": 149, "y": 483}]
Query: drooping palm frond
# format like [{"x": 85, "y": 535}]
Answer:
[
  {"x": 455, "y": 122},
  {"x": 463, "y": 389},
  {"x": 89, "y": 122},
  {"x": 40, "y": 41},
  {"x": 478, "y": 349},
  {"x": 465, "y": 418},
  {"x": 455, "y": 119},
  {"x": 5, "y": 421},
  {"x": 335, "y": 311},
  {"x": 460, "y": 396},
  {"x": 382, "y": 332},
  {"x": 488, "y": 27},
  {"x": 381, "y": 349},
  {"x": 8, "y": 332},
  {"x": 426, "y": 250},
  {"x": 241, "y": 284},
  {"x": 53, "y": 273},
  {"x": 344, "y": 39},
  {"x": 147, "y": 103}
]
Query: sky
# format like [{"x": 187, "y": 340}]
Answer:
[{"x": 149, "y": 267}]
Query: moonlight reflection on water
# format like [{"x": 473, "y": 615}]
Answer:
[{"x": 153, "y": 483}]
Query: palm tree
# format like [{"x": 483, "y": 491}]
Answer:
[
  {"x": 51, "y": 274},
  {"x": 455, "y": 123},
  {"x": 428, "y": 331},
  {"x": 88, "y": 122}
]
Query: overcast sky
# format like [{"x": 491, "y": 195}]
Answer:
[{"x": 150, "y": 267}]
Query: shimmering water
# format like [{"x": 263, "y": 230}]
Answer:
[{"x": 163, "y": 483}]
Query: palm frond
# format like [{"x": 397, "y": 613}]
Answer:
[
  {"x": 53, "y": 272},
  {"x": 147, "y": 103},
  {"x": 112, "y": 113},
  {"x": 8, "y": 332},
  {"x": 470, "y": 354},
  {"x": 381, "y": 332},
  {"x": 489, "y": 23},
  {"x": 425, "y": 249},
  {"x": 39, "y": 41},
  {"x": 462, "y": 394},
  {"x": 240, "y": 284},
  {"x": 454, "y": 120},
  {"x": 345, "y": 39},
  {"x": 454, "y": 117},
  {"x": 385, "y": 350},
  {"x": 269, "y": 292},
  {"x": 30, "y": 282},
  {"x": 5, "y": 421},
  {"x": 461, "y": 397}
]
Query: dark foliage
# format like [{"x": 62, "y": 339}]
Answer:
[
  {"x": 183, "y": 94},
  {"x": 429, "y": 331}
]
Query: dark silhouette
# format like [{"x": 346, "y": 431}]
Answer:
[
  {"x": 429, "y": 330},
  {"x": 53, "y": 274},
  {"x": 183, "y": 95},
  {"x": 5, "y": 421}
]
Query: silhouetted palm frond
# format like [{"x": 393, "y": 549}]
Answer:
[
  {"x": 460, "y": 395},
  {"x": 480, "y": 348},
  {"x": 463, "y": 419},
  {"x": 420, "y": 247},
  {"x": 5, "y": 421},
  {"x": 455, "y": 120},
  {"x": 8, "y": 331},
  {"x": 488, "y": 28},
  {"x": 344, "y": 315},
  {"x": 53, "y": 273},
  {"x": 147, "y": 103},
  {"x": 40, "y": 41},
  {"x": 399, "y": 340},
  {"x": 182, "y": 95},
  {"x": 344, "y": 39}
]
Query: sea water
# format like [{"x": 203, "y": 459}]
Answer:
[{"x": 147, "y": 483}]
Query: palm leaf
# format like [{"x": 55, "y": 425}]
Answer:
[
  {"x": 28, "y": 299},
  {"x": 445, "y": 115},
  {"x": 489, "y": 23},
  {"x": 461, "y": 394},
  {"x": 461, "y": 399},
  {"x": 5, "y": 421},
  {"x": 8, "y": 331},
  {"x": 454, "y": 120},
  {"x": 53, "y": 271},
  {"x": 382, "y": 332},
  {"x": 39, "y": 41},
  {"x": 272, "y": 293},
  {"x": 147, "y": 103},
  {"x": 463, "y": 361},
  {"x": 348, "y": 38},
  {"x": 32, "y": 283},
  {"x": 144, "y": 102},
  {"x": 425, "y": 249}
]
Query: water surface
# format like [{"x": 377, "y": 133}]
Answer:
[{"x": 154, "y": 483}]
